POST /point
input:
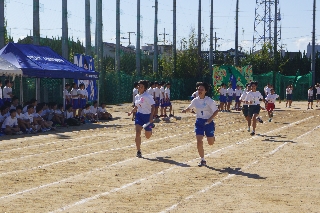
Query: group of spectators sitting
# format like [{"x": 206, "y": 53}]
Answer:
[{"x": 35, "y": 117}]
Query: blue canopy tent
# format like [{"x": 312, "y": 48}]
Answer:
[{"x": 42, "y": 62}]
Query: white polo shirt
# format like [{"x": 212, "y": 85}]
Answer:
[
  {"x": 68, "y": 114},
  {"x": 144, "y": 103},
  {"x": 7, "y": 90},
  {"x": 204, "y": 107},
  {"x": 9, "y": 121},
  {"x": 254, "y": 98}
]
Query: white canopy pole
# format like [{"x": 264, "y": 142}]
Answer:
[
  {"x": 97, "y": 85},
  {"x": 21, "y": 91}
]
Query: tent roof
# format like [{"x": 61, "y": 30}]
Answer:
[
  {"x": 43, "y": 62},
  {"x": 6, "y": 68}
]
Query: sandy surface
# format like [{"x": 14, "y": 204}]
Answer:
[{"x": 93, "y": 168}]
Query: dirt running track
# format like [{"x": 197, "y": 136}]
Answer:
[{"x": 93, "y": 168}]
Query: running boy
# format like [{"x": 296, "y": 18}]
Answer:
[
  {"x": 206, "y": 110},
  {"x": 144, "y": 108}
]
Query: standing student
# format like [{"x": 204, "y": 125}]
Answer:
[
  {"x": 223, "y": 97},
  {"x": 253, "y": 99},
  {"x": 162, "y": 99},
  {"x": 289, "y": 90},
  {"x": 310, "y": 97},
  {"x": 67, "y": 94},
  {"x": 317, "y": 86},
  {"x": 167, "y": 99},
  {"x": 230, "y": 93},
  {"x": 134, "y": 93},
  {"x": 271, "y": 98},
  {"x": 156, "y": 98},
  {"x": 7, "y": 91},
  {"x": 75, "y": 99},
  {"x": 144, "y": 108},
  {"x": 238, "y": 93},
  {"x": 206, "y": 110},
  {"x": 245, "y": 108},
  {"x": 82, "y": 97}
]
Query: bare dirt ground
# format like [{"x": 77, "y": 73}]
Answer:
[{"x": 93, "y": 168}]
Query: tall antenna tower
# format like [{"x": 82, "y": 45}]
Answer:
[{"x": 264, "y": 24}]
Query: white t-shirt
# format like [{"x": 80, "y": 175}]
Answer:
[
  {"x": 253, "y": 97},
  {"x": 144, "y": 103},
  {"x": 68, "y": 114},
  {"x": 83, "y": 92},
  {"x": 66, "y": 93},
  {"x": 9, "y": 121},
  {"x": 150, "y": 91},
  {"x": 94, "y": 110},
  {"x": 74, "y": 92},
  {"x": 230, "y": 92},
  {"x": 100, "y": 109},
  {"x": 134, "y": 93},
  {"x": 310, "y": 92},
  {"x": 288, "y": 91},
  {"x": 318, "y": 90},
  {"x": 162, "y": 93},
  {"x": 21, "y": 116},
  {"x": 85, "y": 111},
  {"x": 157, "y": 92},
  {"x": 3, "y": 117},
  {"x": 0, "y": 93},
  {"x": 267, "y": 90},
  {"x": 238, "y": 92},
  {"x": 167, "y": 91},
  {"x": 13, "y": 107},
  {"x": 223, "y": 91},
  {"x": 28, "y": 116},
  {"x": 204, "y": 107},
  {"x": 6, "y": 90},
  {"x": 57, "y": 111},
  {"x": 272, "y": 98},
  {"x": 195, "y": 94}
]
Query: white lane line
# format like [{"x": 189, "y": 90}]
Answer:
[
  {"x": 232, "y": 175},
  {"x": 90, "y": 172},
  {"x": 93, "y": 170},
  {"x": 86, "y": 155},
  {"x": 85, "y": 200}
]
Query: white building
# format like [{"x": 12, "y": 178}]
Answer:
[{"x": 309, "y": 49}]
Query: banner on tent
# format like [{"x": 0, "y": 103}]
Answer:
[{"x": 87, "y": 62}]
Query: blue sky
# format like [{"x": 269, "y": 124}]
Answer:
[{"x": 296, "y": 20}]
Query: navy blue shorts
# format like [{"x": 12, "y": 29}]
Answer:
[
  {"x": 75, "y": 103},
  {"x": 157, "y": 101},
  {"x": 162, "y": 103},
  {"x": 223, "y": 99},
  {"x": 82, "y": 103},
  {"x": 202, "y": 129},
  {"x": 289, "y": 97},
  {"x": 310, "y": 99},
  {"x": 254, "y": 109},
  {"x": 229, "y": 98},
  {"x": 237, "y": 99},
  {"x": 142, "y": 119},
  {"x": 6, "y": 99},
  {"x": 318, "y": 96},
  {"x": 245, "y": 110},
  {"x": 1, "y": 102}
]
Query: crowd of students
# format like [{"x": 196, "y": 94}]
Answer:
[{"x": 33, "y": 117}]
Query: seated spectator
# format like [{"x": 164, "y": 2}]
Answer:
[
  {"x": 23, "y": 122},
  {"x": 103, "y": 114},
  {"x": 87, "y": 114},
  {"x": 69, "y": 116},
  {"x": 10, "y": 124},
  {"x": 45, "y": 125},
  {"x": 58, "y": 115},
  {"x": 14, "y": 102}
]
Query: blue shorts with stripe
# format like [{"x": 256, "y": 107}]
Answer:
[
  {"x": 141, "y": 119},
  {"x": 204, "y": 129}
]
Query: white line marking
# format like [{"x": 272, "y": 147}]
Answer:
[
  {"x": 86, "y": 173},
  {"x": 85, "y": 200},
  {"x": 232, "y": 175}
]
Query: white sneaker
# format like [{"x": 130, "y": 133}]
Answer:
[
  {"x": 43, "y": 130},
  {"x": 19, "y": 133}
]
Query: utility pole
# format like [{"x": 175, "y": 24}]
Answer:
[
  {"x": 199, "y": 39},
  {"x": 129, "y": 33},
  {"x": 99, "y": 49},
  {"x": 138, "y": 51},
  {"x": 164, "y": 36},
  {"x": 236, "y": 57},
  {"x": 87, "y": 26},
  {"x": 174, "y": 45},
  {"x": 313, "y": 64},
  {"x": 211, "y": 39},
  {"x": 65, "y": 29},
  {"x": 2, "y": 41},
  {"x": 275, "y": 46},
  {"x": 36, "y": 38},
  {"x": 118, "y": 35},
  {"x": 155, "y": 45}
]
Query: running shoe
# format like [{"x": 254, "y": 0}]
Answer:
[
  {"x": 43, "y": 130},
  {"x": 248, "y": 129},
  {"x": 139, "y": 154},
  {"x": 260, "y": 120},
  {"x": 171, "y": 115},
  {"x": 270, "y": 120},
  {"x": 202, "y": 163},
  {"x": 252, "y": 133}
]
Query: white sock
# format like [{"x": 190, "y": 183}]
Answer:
[{"x": 203, "y": 159}]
